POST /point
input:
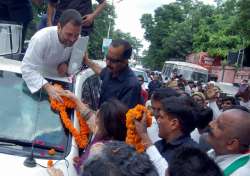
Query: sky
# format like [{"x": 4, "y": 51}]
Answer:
[{"x": 129, "y": 13}]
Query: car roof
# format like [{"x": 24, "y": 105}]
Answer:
[
  {"x": 10, "y": 65},
  {"x": 187, "y": 64},
  {"x": 227, "y": 88},
  {"x": 136, "y": 69}
]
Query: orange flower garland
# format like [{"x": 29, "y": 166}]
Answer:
[
  {"x": 132, "y": 137},
  {"x": 49, "y": 163},
  {"x": 81, "y": 137}
]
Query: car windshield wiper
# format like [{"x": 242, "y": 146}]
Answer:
[
  {"x": 48, "y": 147},
  {"x": 25, "y": 143},
  {"x": 7, "y": 144},
  {"x": 8, "y": 141}
]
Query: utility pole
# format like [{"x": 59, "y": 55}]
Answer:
[{"x": 110, "y": 21}]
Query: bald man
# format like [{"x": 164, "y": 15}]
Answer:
[{"x": 229, "y": 136}]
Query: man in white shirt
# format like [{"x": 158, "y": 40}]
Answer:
[
  {"x": 229, "y": 137},
  {"x": 157, "y": 96},
  {"x": 49, "y": 50}
]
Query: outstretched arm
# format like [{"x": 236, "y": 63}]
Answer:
[
  {"x": 89, "y": 18},
  {"x": 50, "y": 12},
  {"x": 88, "y": 114},
  {"x": 95, "y": 67},
  {"x": 160, "y": 163}
]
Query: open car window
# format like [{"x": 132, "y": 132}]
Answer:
[
  {"x": 144, "y": 74},
  {"x": 91, "y": 89},
  {"x": 11, "y": 38}
]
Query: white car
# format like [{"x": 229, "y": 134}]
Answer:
[
  {"x": 144, "y": 74},
  {"x": 228, "y": 88},
  {"x": 27, "y": 119}
]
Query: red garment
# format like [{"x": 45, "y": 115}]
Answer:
[{"x": 144, "y": 95}]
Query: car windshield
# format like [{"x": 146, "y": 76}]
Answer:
[
  {"x": 137, "y": 73},
  {"x": 193, "y": 75},
  {"x": 28, "y": 117},
  {"x": 228, "y": 89}
]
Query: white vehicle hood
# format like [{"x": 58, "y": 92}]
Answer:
[{"x": 13, "y": 165}]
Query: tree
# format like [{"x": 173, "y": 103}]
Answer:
[
  {"x": 101, "y": 26},
  {"x": 135, "y": 43},
  {"x": 243, "y": 20},
  {"x": 187, "y": 26},
  {"x": 100, "y": 32},
  {"x": 217, "y": 34},
  {"x": 38, "y": 11},
  {"x": 168, "y": 33}
]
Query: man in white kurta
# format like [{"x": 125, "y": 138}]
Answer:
[{"x": 49, "y": 50}]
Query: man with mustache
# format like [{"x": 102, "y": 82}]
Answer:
[
  {"x": 50, "y": 49},
  {"x": 229, "y": 137},
  {"x": 118, "y": 80}
]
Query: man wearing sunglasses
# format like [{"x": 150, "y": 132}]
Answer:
[{"x": 118, "y": 80}]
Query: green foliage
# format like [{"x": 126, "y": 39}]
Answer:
[
  {"x": 169, "y": 33},
  {"x": 243, "y": 19},
  {"x": 187, "y": 26},
  {"x": 135, "y": 43},
  {"x": 38, "y": 11},
  {"x": 102, "y": 22},
  {"x": 101, "y": 26}
]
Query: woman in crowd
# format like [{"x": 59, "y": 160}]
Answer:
[
  {"x": 108, "y": 123},
  {"x": 199, "y": 98}
]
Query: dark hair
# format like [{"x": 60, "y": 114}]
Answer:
[
  {"x": 227, "y": 98},
  {"x": 53, "y": 1},
  {"x": 180, "y": 108},
  {"x": 128, "y": 160},
  {"x": 161, "y": 93},
  {"x": 127, "y": 47},
  {"x": 204, "y": 117},
  {"x": 140, "y": 76},
  {"x": 245, "y": 80},
  {"x": 72, "y": 16},
  {"x": 243, "y": 108},
  {"x": 189, "y": 161},
  {"x": 98, "y": 166},
  {"x": 113, "y": 116}
]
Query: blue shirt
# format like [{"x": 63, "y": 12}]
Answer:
[
  {"x": 167, "y": 149},
  {"x": 125, "y": 87}
]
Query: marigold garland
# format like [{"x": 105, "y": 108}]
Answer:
[
  {"x": 49, "y": 163},
  {"x": 132, "y": 137},
  {"x": 81, "y": 137}
]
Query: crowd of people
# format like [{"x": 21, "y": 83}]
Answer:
[{"x": 196, "y": 130}]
